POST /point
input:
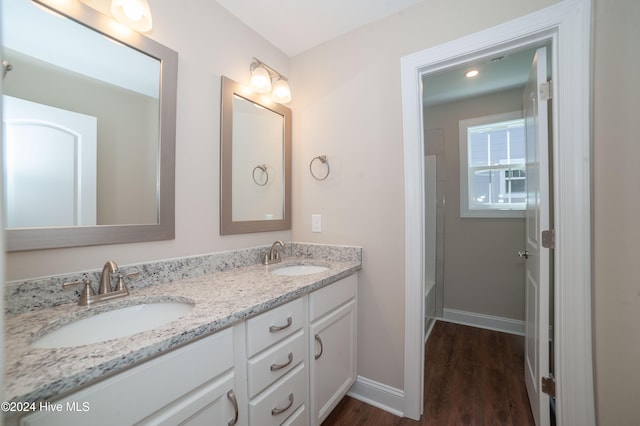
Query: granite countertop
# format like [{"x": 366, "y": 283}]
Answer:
[{"x": 220, "y": 299}]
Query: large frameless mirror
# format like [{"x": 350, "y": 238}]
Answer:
[
  {"x": 255, "y": 169},
  {"x": 89, "y": 129}
]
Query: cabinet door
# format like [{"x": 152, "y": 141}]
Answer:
[
  {"x": 333, "y": 359},
  {"x": 212, "y": 404}
]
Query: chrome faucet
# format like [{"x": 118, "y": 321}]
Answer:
[
  {"x": 105, "y": 291},
  {"x": 273, "y": 256},
  {"x": 109, "y": 268}
]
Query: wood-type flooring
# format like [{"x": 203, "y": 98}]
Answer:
[{"x": 473, "y": 377}]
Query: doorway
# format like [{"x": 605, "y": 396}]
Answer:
[
  {"x": 481, "y": 241},
  {"x": 475, "y": 127},
  {"x": 566, "y": 26}
]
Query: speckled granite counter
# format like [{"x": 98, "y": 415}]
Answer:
[{"x": 220, "y": 299}]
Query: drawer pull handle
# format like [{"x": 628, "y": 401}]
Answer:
[
  {"x": 276, "y": 367},
  {"x": 319, "y": 340},
  {"x": 232, "y": 397},
  {"x": 276, "y": 328},
  {"x": 277, "y": 411}
]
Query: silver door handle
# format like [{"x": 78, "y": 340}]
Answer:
[
  {"x": 319, "y": 340},
  {"x": 231, "y": 396},
  {"x": 524, "y": 254},
  {"x": 276, "y": 328},
  {"x": 277, "y": 411},
  {"x": 276, "y": 367}
]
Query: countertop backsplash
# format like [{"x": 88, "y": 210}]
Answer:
[{"x": 46, "y": 292}]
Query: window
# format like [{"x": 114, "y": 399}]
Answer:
[{"x": 492, "y": 166}]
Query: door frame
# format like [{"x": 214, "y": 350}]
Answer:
[{"x": 567, "y": 26}]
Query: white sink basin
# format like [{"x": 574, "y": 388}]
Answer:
[
  {"x": 113, "y": 324},
  {"x": 299, "y": 270}
]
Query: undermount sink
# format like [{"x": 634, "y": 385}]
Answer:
[
  {"x": 113, "y": 324},
  {"x": 292, "y": 270}
]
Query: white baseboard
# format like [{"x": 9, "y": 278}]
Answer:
[
  {"x": 490, "y": 322},
  {"x": 379, "y": 395}
]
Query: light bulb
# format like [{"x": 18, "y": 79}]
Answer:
[
  {"x": 281, "y": 92},
  {"x": 133, "y": 9},
  {"x": 260, "y": 80},
  {"x": 135, "y": 14}
]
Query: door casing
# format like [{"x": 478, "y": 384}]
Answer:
[{"x": 567, "y": 27}]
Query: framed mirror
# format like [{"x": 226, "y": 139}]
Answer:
[
  {"x": 255, "y": 162},
  {"x": 89, "y": 113}
]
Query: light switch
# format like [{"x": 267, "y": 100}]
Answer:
[{"x": 316, "y": 223}]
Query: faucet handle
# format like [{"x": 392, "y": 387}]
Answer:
[
  {"x": 121, "y": 285},
  {"x": 87, "y": 291}
]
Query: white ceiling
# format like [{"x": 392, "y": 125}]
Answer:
[
  {"x": 297, "y": 25},
  {"x": 497, "y": 73}
]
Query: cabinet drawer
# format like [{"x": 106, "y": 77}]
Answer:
[
  {"x": 277, "y": 403},
  {"x": 330, "y": 297},
  {"x": 154, "y": 384},
  {"x": 275, "y": 362},
  {"x": 274, "y": 325}
]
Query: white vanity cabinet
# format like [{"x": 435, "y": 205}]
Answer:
[
  {"x": 289, "y": 366},
  {"x": 192, "y": 385},
  {"x": 332, "y": 337},
  {"x": 301, "y": 356}
]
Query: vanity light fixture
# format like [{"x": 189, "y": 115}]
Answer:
[
  {"x": 262, "y": 76},
  {"x": 135, "y": 14}
]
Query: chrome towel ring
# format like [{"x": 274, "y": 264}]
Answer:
[
  {"x": 323, "y": 160},
  {"x": 265, "y": 173}
]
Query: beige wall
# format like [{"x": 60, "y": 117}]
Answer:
[
  {"x": 210, "y": 43},
  {"x": 348, "y": 106},
  {"x": 482, "y": 273},
  {"x": 616, "y": 193}
]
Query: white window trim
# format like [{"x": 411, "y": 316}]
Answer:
[{"x": 488, "y": 212}]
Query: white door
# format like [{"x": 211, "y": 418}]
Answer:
[
  {"x": 50, "y": 165},
  {"x": 537, "y": 258}
]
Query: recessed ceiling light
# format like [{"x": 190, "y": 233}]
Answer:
[{"x": 471, "y": 74}]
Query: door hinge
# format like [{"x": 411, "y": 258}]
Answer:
[
  {"x": 549, "y": 386},
  {"x": 545, "y": 91},
  {"x": 549, "y": 238}
]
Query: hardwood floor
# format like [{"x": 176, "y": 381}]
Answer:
[{"x": 472, "y": 377}]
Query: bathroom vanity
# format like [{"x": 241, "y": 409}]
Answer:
[{"x": 257, "y": 348}]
